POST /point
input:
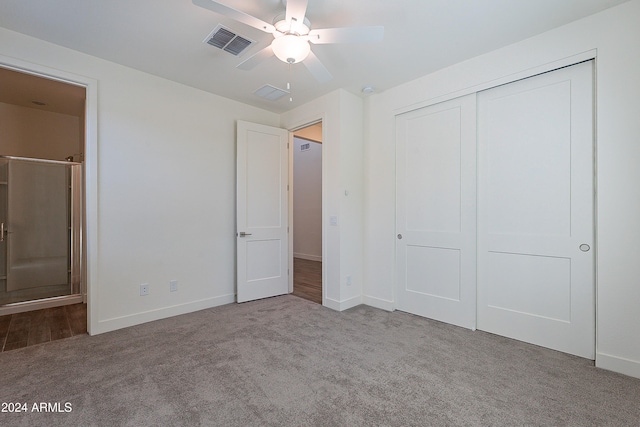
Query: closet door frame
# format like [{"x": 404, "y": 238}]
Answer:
[{"x": 506, "y": 79}]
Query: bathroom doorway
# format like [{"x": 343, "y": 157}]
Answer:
[
  {"x": 41, "y": 193},
  {"x": 307, "y": 213}
]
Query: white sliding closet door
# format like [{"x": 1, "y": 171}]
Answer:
[
  {"x": 536, "y": 210},
  {"x": 436, "y": 211}
]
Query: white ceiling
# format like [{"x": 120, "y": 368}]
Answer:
[{"x": 164, "y": 37}]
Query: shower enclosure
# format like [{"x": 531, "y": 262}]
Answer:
[{"x": 40, "y": 233}]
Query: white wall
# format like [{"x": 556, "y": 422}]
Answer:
[
  {"x": 165, "y": 187},
  {"x": 307, "y": 200},
  {"x": 29, "y": 132},
  {"x": 612, "y": 37},
  {"x": 342, "y": 197}
]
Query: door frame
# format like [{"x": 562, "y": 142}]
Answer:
[
  {"x": 291, "y": 183},
  {"x": 90, "y": 178}
]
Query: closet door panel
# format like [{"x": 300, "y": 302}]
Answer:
[
  {"x": 536, "y": 211},
  {"x": 436, "y": 212}
]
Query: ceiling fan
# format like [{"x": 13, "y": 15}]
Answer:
[{"x": 292, "y": 34}]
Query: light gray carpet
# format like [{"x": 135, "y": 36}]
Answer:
[{"x": 288, "y": 362}]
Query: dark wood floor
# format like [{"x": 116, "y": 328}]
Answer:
[
  {"x": 307, "y": 279},
  {"x": 39, "y": 326}
]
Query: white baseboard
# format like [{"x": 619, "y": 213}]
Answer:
[
  {"x": 112, "y": 324},
  {"x": 618, "y": 364},
  {"x": 351, "y": 302},
  {"x": 307, "y": 257},
  {"x": 342, "y": 305},
  {"x": 378, "y": 303},
  {"x": 331, "y": 303}
]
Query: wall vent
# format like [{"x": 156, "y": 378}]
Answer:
[
  {"x": 305, "y": 147},
  {"x": 271, "y": 93},
  {"x": 225, "y": 39}
]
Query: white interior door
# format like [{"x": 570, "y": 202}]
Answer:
[
  {"x": 262, "y": 211},
  {"x": 436, "y": 211},
  {"x": 536, "y": 211}
]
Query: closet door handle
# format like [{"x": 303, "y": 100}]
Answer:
[{"x": 2, "y": 232}]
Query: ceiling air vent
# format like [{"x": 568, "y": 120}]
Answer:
[
  {"x": 225, "y": 39},
  {"x": 271, "y": 93}
]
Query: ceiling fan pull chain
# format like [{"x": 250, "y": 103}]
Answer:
[{"x": 289, "y": 84}]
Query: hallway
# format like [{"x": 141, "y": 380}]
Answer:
[{"x": 307, "y": 279}]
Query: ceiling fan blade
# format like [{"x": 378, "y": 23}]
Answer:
[
  {"x": 232, "y": 13},
  {"x": 316, "y": 68},
  {"x": 347, "y": 35},
  {"x": 296, "y": 10},
  {"x": 254, "y": 60}
]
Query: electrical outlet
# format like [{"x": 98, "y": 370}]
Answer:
[
  {"x": 144, "y": 289},
  {"x": 348, "y": 280},
  {"x": 173, "y": 285}
]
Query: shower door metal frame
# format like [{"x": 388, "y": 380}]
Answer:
[{"x": 76, "y": 254}]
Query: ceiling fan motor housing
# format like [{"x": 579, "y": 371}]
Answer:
[{"x": 295, "y": 27}]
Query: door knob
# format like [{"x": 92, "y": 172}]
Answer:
[
  {"x": 399, "y": 236},
  {"x": 584, "y": 247}
]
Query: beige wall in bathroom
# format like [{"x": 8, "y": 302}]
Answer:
[{"x": 29, "y": 132}]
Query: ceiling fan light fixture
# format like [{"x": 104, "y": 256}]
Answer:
[{"x": 290, "y": 48}]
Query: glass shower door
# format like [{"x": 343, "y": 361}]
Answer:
[{"x": 38, "y": 231}]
